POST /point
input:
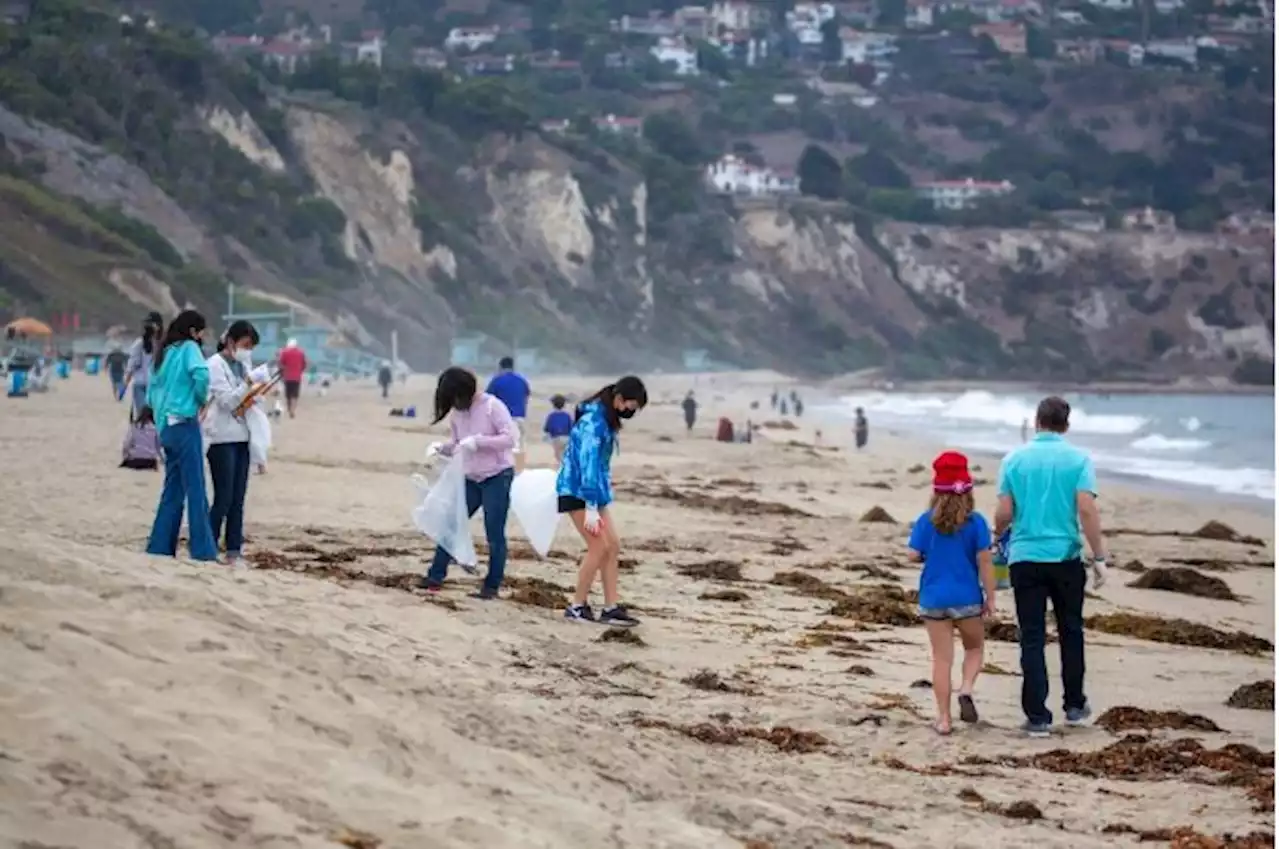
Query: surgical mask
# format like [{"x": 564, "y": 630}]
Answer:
[
  {"x": 626, "y": 414},
  {"x": 244, "y": 357}
]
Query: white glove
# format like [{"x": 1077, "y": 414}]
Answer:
[
  {"x": 1099, "y": 574},
  {"x": 434, "y": 450},
  {"x": 467, "y": 444},
  {"x": 261, "y": 374},
  {"x": 592, "y": 521}
]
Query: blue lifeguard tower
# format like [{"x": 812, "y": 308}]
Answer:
[
  {"x": 325, "y": 356},
  {"x": 465, "y": 350},
  {"x": 696, "y": 359}
]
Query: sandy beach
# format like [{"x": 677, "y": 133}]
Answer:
[{"x": 771, "y": 700}]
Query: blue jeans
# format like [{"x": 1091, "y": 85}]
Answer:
[
  {"x": 183, "y": 482},
  {"x": 229, "y": 469},
  {"x": 494, "y": 495},
  {"x": 1034, "y": 586}
]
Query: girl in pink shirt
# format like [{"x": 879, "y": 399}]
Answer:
[{"x": 481, "y": 427}]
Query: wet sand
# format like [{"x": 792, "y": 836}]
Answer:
[{"x": 770, "y": 701}]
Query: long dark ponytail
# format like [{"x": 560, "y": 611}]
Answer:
[
  {"x": 151, "y": 331},
  {"x": 629, "y": 388},
  {"x": 184, "y": 328}
]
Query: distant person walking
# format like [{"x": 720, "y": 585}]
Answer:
[
  {"x": 510, "y": 387},
  {"x": 384, "y": 377},
  {"x": 690, "y": 406},
  {"x": 116, "y": 360},
  {"x": 137, "y": 371},
  {"x": 481, "y": 428},
  {"x": 1047, "y": 496},
  {"x": 557, "y": 426},
  {"x": 178, "y": 389},
  {"x": 860, "y": 428},
  {"x": 293, "y": 365}
]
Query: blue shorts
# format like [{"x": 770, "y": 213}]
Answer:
[{"x": 953, "y": 614}]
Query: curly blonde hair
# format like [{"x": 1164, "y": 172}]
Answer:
[{"x": 951, "y": 510}]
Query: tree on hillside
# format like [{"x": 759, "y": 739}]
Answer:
[
  {"x": 878, "y": 171},
  {"x": 820, "y": 173},
  {"x": 671, "y": 135},
  {"x": 892, "y": 13},
  {"x": 832, "y": 48}
]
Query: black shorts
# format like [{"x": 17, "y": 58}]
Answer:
[
  {"x": 292, "y": 388},
  {"x": 569, "y": 504},
  {"x": 140, "y": 464}
]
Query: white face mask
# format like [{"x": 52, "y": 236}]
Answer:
[{"x": 244, "y": 357}]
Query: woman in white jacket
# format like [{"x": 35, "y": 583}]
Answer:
[{"x": 227, "y": 435}]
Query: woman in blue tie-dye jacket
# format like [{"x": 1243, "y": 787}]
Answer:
[{"x": 585, "y": 493}]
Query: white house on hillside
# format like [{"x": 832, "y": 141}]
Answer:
[
  {"x": 470, "y": 38},
  {"x": 732, "y": 175},
  {"x": 677, "y": 53},
  {"x": 961, "y": 194}
]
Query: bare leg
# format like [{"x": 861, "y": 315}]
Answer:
[
  {"x": 943, "y": 648},
  {"x": 609, "y": 566},
  {"x": 972, "y": 637},
  {"x": 591, "y": 561}
]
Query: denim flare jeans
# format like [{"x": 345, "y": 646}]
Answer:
[{"x": 183, "y": 484}]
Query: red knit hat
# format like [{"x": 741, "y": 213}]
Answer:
[{"x": 951, "y": 473}]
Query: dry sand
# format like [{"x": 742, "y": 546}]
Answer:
[{"x": 165, "y": 704}]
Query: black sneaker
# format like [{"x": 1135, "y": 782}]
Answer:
[
  {"x": 424, "y": 583},
  {"x": 485, "y": 595},
  {"x": 579, "y": 613},
  {"x": 617, "y": 617}
]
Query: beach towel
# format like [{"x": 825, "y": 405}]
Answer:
[{"x": 441, "y": 512}]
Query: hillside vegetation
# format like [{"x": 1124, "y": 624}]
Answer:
[{"x": 149, "y": 170}]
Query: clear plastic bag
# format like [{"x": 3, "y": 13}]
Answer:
[
  {"x": 535, "y": 504},
  {"x": 442, "y": 511},
  {"x": 259, "y": 435}
]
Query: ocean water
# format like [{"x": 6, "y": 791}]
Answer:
[{"x": 1221, "y": 443}]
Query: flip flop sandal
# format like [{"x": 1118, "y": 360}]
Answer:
[{"x": 968, "y": 711}]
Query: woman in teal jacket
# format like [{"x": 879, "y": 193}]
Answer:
[
  {"x": 179, "y": 388},
  {"x": 585, "y": 492}
]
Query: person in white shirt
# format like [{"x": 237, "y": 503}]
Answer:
[{"x": 227, "y": 435}]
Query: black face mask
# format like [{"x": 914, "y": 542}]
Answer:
[{"x": 626, "y": 414}]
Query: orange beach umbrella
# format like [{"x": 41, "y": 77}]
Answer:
[{"x": 29, "y": 327}]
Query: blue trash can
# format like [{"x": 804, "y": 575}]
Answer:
[
  {"x": 92, "y": 365},
  {"x": 63, "y": 369},
  {"x": 18, "y": 383}
]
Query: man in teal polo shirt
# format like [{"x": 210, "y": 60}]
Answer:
[{"x": 1048, "y": 495}]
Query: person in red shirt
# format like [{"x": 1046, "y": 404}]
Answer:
[{"x": 293, "y": 364}]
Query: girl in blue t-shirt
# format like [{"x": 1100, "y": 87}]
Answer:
[{"x": 957, "y": 583}]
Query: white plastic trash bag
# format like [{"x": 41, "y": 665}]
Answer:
[
  {"x": 442, "y": 511},
  {"x": 534, "y": 501},
  {"x": 259, "y": 434}
]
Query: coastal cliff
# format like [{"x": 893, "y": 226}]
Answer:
[{"x": 540, "y": 241}]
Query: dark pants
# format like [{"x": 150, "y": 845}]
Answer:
[
  {"x": 1034, "y": 585},
  {"x": 494, "y": 495},
  {"x": 385, "y": 387},
  {"x": 229, "y": 469},
  {"x": 183, "y": 482}
]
